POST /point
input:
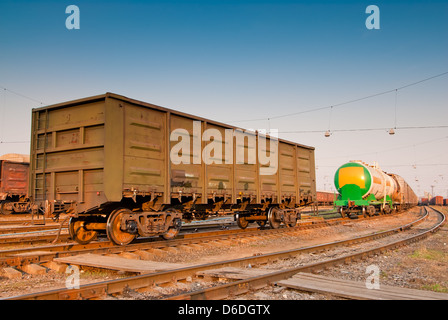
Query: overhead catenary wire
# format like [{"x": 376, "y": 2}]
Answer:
[
  {"x": 3, "y": 112},
  {"x": 345, "y": 102},
  {"x": 368, "y": 129},
  {"x": 22, "y": 95}
]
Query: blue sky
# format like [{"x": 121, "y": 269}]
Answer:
[{"x": 241, "y": 60}]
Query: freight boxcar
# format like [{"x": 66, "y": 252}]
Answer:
[
  {"x": 325, "y": 198},
  {"x": 437, "y": 201},
  {"x": 130, "y": 168},
  {"x": 445, "y": 202},
  {"x": 13, "y": 187}
]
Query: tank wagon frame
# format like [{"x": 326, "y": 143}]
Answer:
[{"x": 108, "y": 161}]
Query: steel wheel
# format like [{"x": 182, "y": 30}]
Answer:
[
  {"x": 3, "y": 207},
  {"x": 78, "y": 233},
  {"x": 371, "y": 210},
  {"x": 272, "y": 218},
  {"x": 292, "y": 222},
  {"x": 113, "y": 228},
  {"x": 241, "y": 221},
  {"x": 173, "y": 231}
]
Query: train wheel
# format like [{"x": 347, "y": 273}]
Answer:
[
  {"x": 371, "y": 210},
  {"x": 241, "y": 221},
  {"x": 113, "y": 228},
  {"x": 174, "y": 230},
  {"x": 78, "y": 233},
  {"x": 273, "y": 219},
  {"x": 292, "y": 221},
  {"x": 3, "y": 207}
]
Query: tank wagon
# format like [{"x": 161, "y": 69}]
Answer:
[
  {"x": 129, "y": 168},
  {"x": 368, "y": 190},
  {"x": 13, "y": 187}
]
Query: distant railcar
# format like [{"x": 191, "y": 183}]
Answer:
[
  {"x": 13, "y": 187},
  {"x": 437, "y": 201},
  {"x": 368, "y": 190},
  {"x": 325, "y": 198},
  {"x": 108, "y": 160}
]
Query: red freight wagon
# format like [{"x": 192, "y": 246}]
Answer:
[
  {"x": 437, "y": 200},
  {"x": 325, "y": 197},
  {"x": 13, "y": 186}
]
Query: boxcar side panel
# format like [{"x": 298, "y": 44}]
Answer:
[
  {"x": 186, "y": 175},
  {"x": 144, "y": 149},
  {"x": 246, "y": 177},
  {"x": 306, "y": 174},
  {"x": 219, "y": 174},
  {"x": 67, "y": 153},
  {"x": 270, "y": 183},
  {"x": 287, "y": 170}
]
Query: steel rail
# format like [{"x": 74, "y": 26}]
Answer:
[
  {"x": 21, "y": 256},
  {"x": 117, "y": 286},
  {"x": 139, "y": 244},
  {"x": 31, "y": 237}
]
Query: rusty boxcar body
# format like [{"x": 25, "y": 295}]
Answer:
[
  {"x": 325, "y": 198},
  {"x": 13, "y": 187},
  {"x": 437, "y": 201},
  {"x": 106, "y": 160}
]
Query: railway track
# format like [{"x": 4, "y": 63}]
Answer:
[
  {"x": 18, "y": 234},
  {"x": 32, "y": 235},
  {"x": 145, "y": 281},
  {"x": 257, "y": 282},
  {"x": 191, "y": 235}
]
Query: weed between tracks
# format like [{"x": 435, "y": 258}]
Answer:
[{"x": 430, "y": 254}]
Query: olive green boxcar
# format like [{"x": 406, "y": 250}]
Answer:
[{"x": 113, "y": 163}]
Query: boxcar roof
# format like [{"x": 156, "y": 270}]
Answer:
[{"x": 148, "y": 105}]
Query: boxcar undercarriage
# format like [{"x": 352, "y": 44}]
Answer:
[{"x": 132, "y": 218}]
